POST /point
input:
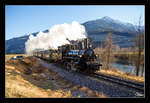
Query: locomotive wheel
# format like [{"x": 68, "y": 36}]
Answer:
[
  {"x": 67, "y": 66},
  {"x": 73, "y": 68}
]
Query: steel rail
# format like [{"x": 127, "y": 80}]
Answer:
[
  {"x": 136, "y": 86},
  {"x": 116, "y": 80}
]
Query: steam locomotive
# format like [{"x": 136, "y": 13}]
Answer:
[{"x": 76, "y": 56}]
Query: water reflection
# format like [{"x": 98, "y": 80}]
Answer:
[{"x": 127, "y": 68}]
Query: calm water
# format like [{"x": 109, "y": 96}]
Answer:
[{"x": 127, "y": 68}]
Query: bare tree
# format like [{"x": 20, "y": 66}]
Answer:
[
  {"x": 117, "y": 49},
  {"x": 108, "y": 52},
  {"x": 142, "y": 65},
  {"x": 140, "y": 46}
]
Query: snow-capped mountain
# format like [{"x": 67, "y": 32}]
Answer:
[{"x": 123, "y": 34}]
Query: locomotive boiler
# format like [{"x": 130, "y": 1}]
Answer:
[{"x": 77, "y": 56}]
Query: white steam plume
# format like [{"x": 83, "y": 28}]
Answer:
[{"x": 56, "y": 36}]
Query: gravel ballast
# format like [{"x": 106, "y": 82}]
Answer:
[{"x": 108, "y": 88}]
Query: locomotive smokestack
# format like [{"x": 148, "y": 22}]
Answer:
[
  {"x": 69, "y": 40},
  {"x": 86, "y": 43}
]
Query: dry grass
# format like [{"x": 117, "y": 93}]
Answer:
[
  {"x": 126, "y": 53},
  {"x": 35, "y": 85},
  {"x": 28, "y": 79},
  {"x": 8, "y": 56},
  {"x": 91, "y": 93},
  {"x": 117, "y": 73}
]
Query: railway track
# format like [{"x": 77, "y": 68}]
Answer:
[{"x": 122, "y": 82}]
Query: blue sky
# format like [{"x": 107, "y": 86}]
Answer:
[{"x": 23, "y": 20}]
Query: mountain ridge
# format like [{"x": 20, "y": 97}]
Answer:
[{"x": 97, "y": 28}]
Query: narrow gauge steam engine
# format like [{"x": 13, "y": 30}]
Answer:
[{"x": 77, "y": 56}]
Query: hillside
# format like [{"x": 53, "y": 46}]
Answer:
[
  {"x": 28, "y": 79},
  {"x": 97, "y": 30}
]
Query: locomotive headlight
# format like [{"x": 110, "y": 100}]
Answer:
[{"x": 80, "y": 56}]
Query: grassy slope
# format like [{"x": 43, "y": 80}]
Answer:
[
  {"x": 19, "y": 83},
  {"x": 8, "y": 56},
  {"x": 39, "y": 82},
  {"x": 120, "y": 74}
]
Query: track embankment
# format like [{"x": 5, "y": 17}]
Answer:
[
  {"x": 105, "y": 87},
  {"x": 28, "y": 78}
]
